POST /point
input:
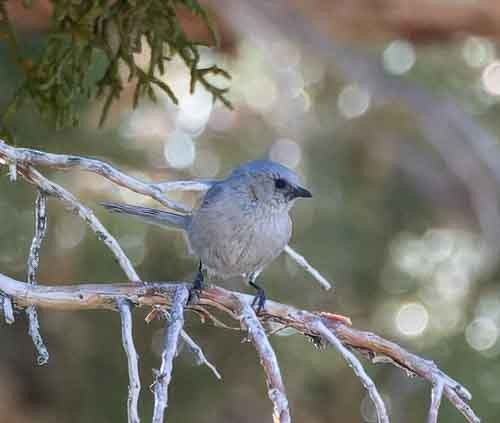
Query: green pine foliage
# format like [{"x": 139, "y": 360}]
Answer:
[{"x": 86, "y": 35}]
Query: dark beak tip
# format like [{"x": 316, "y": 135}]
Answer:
[{"x": 302, "y": 192}]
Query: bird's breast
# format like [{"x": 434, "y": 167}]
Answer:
[{"x": 231, "y": 244}]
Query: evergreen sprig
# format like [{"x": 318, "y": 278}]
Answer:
[{"x": 86, "y": 35}]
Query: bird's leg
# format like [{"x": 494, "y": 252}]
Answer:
[
  {"x": 198, "y": 284},
  {"x": 199, "y": 280},
  {"x": 260, "y": 297}
]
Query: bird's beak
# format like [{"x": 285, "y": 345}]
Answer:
[{"x": 300, "y": 192}]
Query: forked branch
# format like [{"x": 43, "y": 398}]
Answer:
[
  {"x": 104, "y": 296},
  {"x": 323, "y": 327},
  {"x": 30, "y": 157},
  {"x": 275, "y": 386},
  {"x": 172, "y": 334}
]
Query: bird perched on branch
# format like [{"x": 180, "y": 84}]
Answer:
[{"x": 241, "y": 224}]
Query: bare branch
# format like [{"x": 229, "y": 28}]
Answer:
[
  {"x": 172, "y": 333},
  {"x": 8, "y": 311},
  {"x": 436, "y": 396},
  {"x": 104, "y": 296},
  {"x": 62, "y": 161},
  {"x": 318, "y": 326},
  {"x": 154, "y": 190},
  {"x": 198, "y": 352},
  {"x": 194, "y": 348},
  {"x": 158, "y": 312},
  {"x": 33, "y": 261},
  {"x": 196, "y": 185},
  {"x": 302, "y": 262},
  {"x": 12, "y": 171},
  {"x": 275, "y": 386},
  {"x": 461, "y": 405},
  {"x": 55, "y": 190},
  {"x": 134, "y": 384}
]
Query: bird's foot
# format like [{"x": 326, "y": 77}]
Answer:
[
  {"x": 259, "y": 300},
  {"x": 197, "y": 287}
]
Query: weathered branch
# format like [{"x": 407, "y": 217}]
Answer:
[
  {"x": 63, "y": 161},
  {"x": 190, "y": 342},
  {"x": 33, "y": 261},
  {"x": 172, "y": 334},
  {"x": 302, "y": 262},
  {"x": 275, "y": 386},
  {"x": 7, "y": 309},
  {"x": 436, "y": 396},
  {"x": 324, "y": 327},
  {"x": 29, "y": 157},
  {"x": 319, "y": 327},
  {"x": 134, "y": 384},
  {"x": 104, "y": 296},
  {"x": 55, "y": 190}
]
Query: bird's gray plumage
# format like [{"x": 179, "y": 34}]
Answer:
[{"x": 241, "y": 224}]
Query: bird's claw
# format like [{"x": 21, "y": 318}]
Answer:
[
  {"x": 195, "y": 290},
  {"x": 259, "y": 300}
]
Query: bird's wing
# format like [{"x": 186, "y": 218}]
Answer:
[{"x": 155, "y": 216}]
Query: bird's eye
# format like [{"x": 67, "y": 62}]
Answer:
[{"x": 280, "y": 183}]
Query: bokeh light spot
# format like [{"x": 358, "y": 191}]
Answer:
[
  {"x": 261, "y": 94},
  {"x": 180, "y": 150},
  {"x": 491, "y": 78},
  {"x": 353, "y": 101},
  {"x": 481, "y": 334},
  {"x": 399, "y": 57},
  {"x": 478, "y": 52},
  {"x": 286, "y": 151},
  {"x": 412, "y": 319},
  {"x": 194, "y": 111}
]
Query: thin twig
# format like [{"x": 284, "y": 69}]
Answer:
[
  {"x": 302, "y": 262},
  {"x": 190, "y": 342},
  {"x": 172, "y": 334},
  {"x": 198, "y": 353},
  {"x": 63, "y": 161},
  {"x": 436, "y": 396},
  {"x": 134, "y": 384},
  {"x": 33, "y": 261},
  {"x": 12, "y": 172},
  {"x": 196, "y": 350},
  {"x": 55, "y": 190},
  {"x": 318, "y": 326},
  {"x": 275, "y": 386},
  {"x": 461, "y": 405},
  {"x": 8, "y": 310}
]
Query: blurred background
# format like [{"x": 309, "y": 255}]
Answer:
[{"x": 387, "y": 109}]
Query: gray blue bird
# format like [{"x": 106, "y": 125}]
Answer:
[{"x": 240, "y": 225}]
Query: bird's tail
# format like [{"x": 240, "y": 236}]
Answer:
[{"x": 155, "y": 216}]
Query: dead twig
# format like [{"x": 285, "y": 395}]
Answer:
[
  {"x": 172, "y": 334},
  {"x": 436, "y": 396},
  {"x": 8, "y": 310},
  {"x": 134, "y": 384},
  {"x": 275, "y": 386},
  {"x": 33, "y": 261},
  {"x": 318, "y": 326}
]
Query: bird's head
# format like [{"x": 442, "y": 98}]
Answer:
[{"x": 270, "y": 183}]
